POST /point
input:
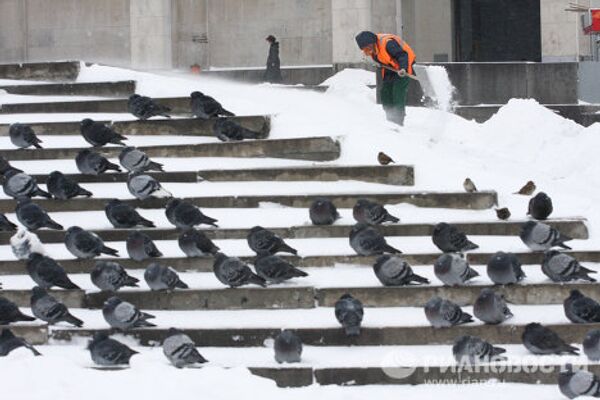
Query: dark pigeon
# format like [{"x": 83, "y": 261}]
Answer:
[
  {"x": 367, "y": 241},
  {"x": 10, "y": 342},
  {"x": 395, "y": 271},
  {"x": 262, "y": 241},
  {"x": 577, "y": 383},
  {"x": 34, "y": 217},
  {"x": 473, "y": 350},
  {"x": 195, "y": 243},
  {"x": 206, "y": 107},
  {"x": 561, "y": 267},
  {"x": 184, "y": 214},
  {"x": 23, "y": 136},
  {"x": 491, "y": 308},
  {"x": 143, "y": 107},
  {"x": 591, "y": 344},
  {"x": 372, "y": 213},
  {"x": 323, "y": 212},
  {"x": 47, "y": 273},
  {"x": 233, "y": 272},
  {"x": 448, "y": 238},
  {"x": 109, "y": 352},
  {"x": 135, "y": 160},
  {"x": 181, "y": 350},
  {"x": 143, "y": 187},
  {"x": 453, "y": 270},
  {"x": 140, "y": 247},
  {"x": 227, "y": 130},
  {"x": 159, "y": 277},
  {"x": 5, "y": 166},
  {"x": 84, "y": 244},
  {"x": 349, "y": 312},
  {"x": 19, "y": 184},
  {"x": 64, "y": 188},
  {"x": 6, "y": 225},
  {"x": 540, "y": 206},
  {"x": 581, "y": 309},
  {"x": 110, "y": 276},
  {"x": 541, "y": 340},
  {"x": 288, "y": 347},
  {"x": 9, "y": 312},
  {"x": 47, "y": 308},
  {"x": 274, "y": 269},
  {"x": 97, "y": 134},
  {"x": 91, "y": 163},
  {"x": 541, "y": 237},
  {"x": 123, "y": 215},
  {"x": 443, "y": 313},
  {"x": 123, "y": 315},
  {"x": 505, "y": 268}
]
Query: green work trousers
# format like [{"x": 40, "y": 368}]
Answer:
[{"x": 393, "y": 99}]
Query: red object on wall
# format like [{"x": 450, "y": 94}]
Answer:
[{"x": 595, "y": 20}]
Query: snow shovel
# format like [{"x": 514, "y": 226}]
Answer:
[{"x": 421, "y": 76}]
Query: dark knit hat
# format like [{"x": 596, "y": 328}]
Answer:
[
  {"x": 365, "y": 38},
  {"x": 270, "y": 38}
]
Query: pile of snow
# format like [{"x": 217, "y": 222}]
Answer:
[{"x": 442, "y": 87}]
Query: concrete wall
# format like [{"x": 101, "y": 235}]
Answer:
[
  {"x": 589, "y": 82},
  {"x": 12, "y": 31},
  {"x": 150, "y": 33},
  {"x": 427, "y": 27},
  {"x": 189, "y": 33}
]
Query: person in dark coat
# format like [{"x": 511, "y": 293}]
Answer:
[{"x": 273, "y": 72}]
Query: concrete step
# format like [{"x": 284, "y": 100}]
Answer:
[
  {"x": 34, "y": 332},
  {"x": 49, "y": 71},
  {"x": 100, "y": 89},
  {"x": 311, "y": 148}
]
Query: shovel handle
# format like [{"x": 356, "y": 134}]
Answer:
[{"x": 396, "y": 71}]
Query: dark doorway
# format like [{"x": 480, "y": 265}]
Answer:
[{"x": 497, "y": 30}]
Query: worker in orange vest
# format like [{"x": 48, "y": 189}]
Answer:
[{"x": 393, "y": 52}]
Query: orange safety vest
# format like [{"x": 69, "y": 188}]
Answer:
[{"x": 385, "y": 58}]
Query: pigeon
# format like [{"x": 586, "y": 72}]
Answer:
[
  {"x": 47, "y": 308},
  {"x": 23, "y": 243},
  {"x": 9, "y": 312},
  {"x": 540, "y": 206},
  {"x": 384, "y": 159},
  {"x": 6, "y": 167},
  {"x": 109, "y": 352},
  {"x": 395, "y": 271},
  {"x": 453, "y": 270},
  {"x": 184, "y": 214},
  {"x": 64, "y": 188},
  {"x": 6, "y": 225},
  {"x": 288, "y": 347},
  {"x": 274, "y": 269},
  {"x": 591, "y": 344},
  {"x": 19, "y": 184},
  {"x": 110, "y": 276},
  {"x": 502, "y": 213},
  {"x": 143, "y": 187},
  {"x": 97, "y": 134},
  {"x": 541, "y": 237},
  {"x": 577, "y": 383},
  {"x": 159, "y": 277},
  {"x": 323, "y": 212},
  {"x": 527, "y": 190},
  {"x": 23, "y": 136},
  {"x": 349, "y": 312},
  {"x": 233, "y": 272},
  {"x": 123, "y": 215},
  {"x": 91, "y": 163},
  {"x": 541, "y": 340},
  {"x": 472, "y": 350},
  {"x": 10, "y": 342},
  {"x": 491, "y": 307},
  {"x": 206, "y": 107},
  {"x": 372, "y": 213},
  {"x": 581, "y": 309},
  {"x": 123, "y": 315},
  {"x": 367, "y": 241},
  {"x": 195, "y": 243},
  {"x": 140, "y": 247},
  {"x": 448, "y": 238},
  {"x": 504, "y": 269},
  {"x": 181, "y": 350},
  {"x": 227, "y": 130},
  {"x": 561, "y": 267},
  {"x": 47, "y": 273},
  {"x": 143, "y": 107},
  {"x": 262, "y": 241},
  {"x": 84, "y": 244},
  {"x": 34, "y": 217},
  {"x": 469, "y": 186},
  {"x": 444, "y": 314},
  {"x": 135, "y": 160}
]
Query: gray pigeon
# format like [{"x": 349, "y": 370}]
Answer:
[
  {"x": 541, "y": 340},
  {"x": 195, "y": 243},
  {"x": 47, "y": 308},
  {"x": 395, "y": 271},
  {"x": 123, "y": 215},
  {"x": 181, "y": 350},
  {"x": 109, "y": 352},
  {"x": 473, "y": 350},
  {"x": 562, "y": 267},
  {"x": 9, "y": 312},
  {"x": 64, "y": 188},
  {"x": 47, "y": 273},
  {"x": 448, "y": 238},
  {"x": 349, "y": 312},
  {"x": 34, "y": 217},
  {"x": 274, "y": 269},
  {"x": 263, "y": 241},
  {"x": 206, "y": 107},
  {"x": 540, "y": 206},
  {"x": 323, "y": 212},
  {"x": 135, "y": 160},
  {"x": 453, "y": 270},
  {"x": 372, "y": 213},
  {"x": 577, "y": 383},
  {"x": 6, "y": 225},
  {"x": 233, "y": 272},
  {"x": 97, "y": 134},
  {"x": 110, "y": 276},
  {"x": 159, "y": 277},
  {"x": 541, "y": 237},
  {"x": 491, "y": 308},
  {"x": 91, "y": 163},
  {"x": 143, "y": 187},
  {"x": 140, "y": 247},
  {"x": 581, "y": 309},
  {"x": 10, "y": 342},
  {"x": 84, "y": 244},
  {"x": 24, "y": 243},
  {"x": 227, "y": 130},
  {"x": 23, "y": 136},
  {"x": 443, "y": 313},
  {"x": 504, "y": 269},
  {"x": 123, "y": 315},
  {"x": 591, "y": 345},
  {"x": 143, "y": 107},
  {"x": 367, "y": 241},
  {"x": 184, "y": 214},
  {"x": 288, "y": 347},
  {"x": 19, "y": 184}
]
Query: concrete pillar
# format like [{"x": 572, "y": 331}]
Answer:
[
  {"x": 151, "y": 34},
  {"x": 427, "y": 28},
  {"x": 348, "y": 17}
]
